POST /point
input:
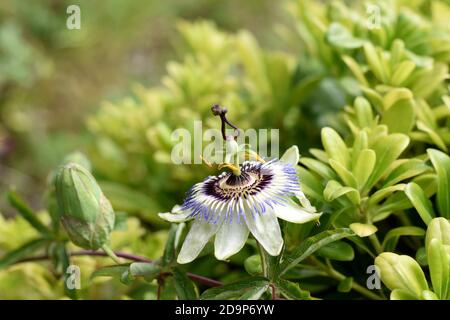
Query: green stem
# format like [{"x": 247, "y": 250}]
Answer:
[
  {"x": 376, "y": 243},
  {"x": 111, "y": 254},
  {"x": 262, "y": 254},
  {"x": 333, "y": 273}
]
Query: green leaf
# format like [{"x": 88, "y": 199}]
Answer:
[
  {"x": 335, "y": 146},
  {"x": 338, "y": 36},
  {"x": 148, "y": 270},
  {"x": 292, "y": 291},
  {"x": 338, "y": 250},
  {"x": 420, "y": 201},
  {"x": 402, "y": 109},
  {"x": 364, "y": 166},
  {"x": 421, "y": 256},
  {"x": 346, "y": 176},
  {"x": 402, "y": 72},
  {"x": 395, "y": 233},
  {"x": 438, "y": 228},
  {"x": 334, "y": 190},
  {"x": 184, "y": 286},
  {"x": 24, "y": 251},
  {"x": 172, "y": 243},
  {"x": 441, "y": 163},
  {"x": 385, "y": 192},
  {"x": 312, "y": 244},
  {"x": 345, "y": 285},
  {"x": 27, "y": 213},
  {"x": 233, "y": 290},
  {"x": 319, "y": 167},
  {"x": 363, "y": 229},
  {"x": 439, "y": 264},
  {"x": 401, "y": 272},
  {"x": 401, "y": 294},
  {"x": 407, "y": 169},
  {"x": 375, "y": 63},
  {"x": 255, "y": 293},
  {"x": 311, "y": 185},
  {"x": 387, "y": 149},
  {"x": 115, "y": 271}
]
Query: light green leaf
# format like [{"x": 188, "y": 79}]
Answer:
[
  {"x": 401, "y": 109},
  {"x": 420, "y": 201},
  {"x": 385, "y": 192},
  {"x": 312, "y": 244},
  {"x": 407, "y": 169},
  {"x": 335, "y": 147},
  {"x": 338, "y": 36},
  {"x": 401, "y": 272},
  {"x": 334, "y": 190},
  {"x": 346, "y": 176},
  {"x": 439, "y": 264},
  {"x": 441, "y": 163},
  {"x": 402, "y": 72},
  {"x": 319, "y": 167},
  {"x": 438, "y": 228},
  {"x": 401, "y": 294},
  {"x": 387, "y": 148},
  {"x": 311, "y": 185},
  {"x": 364, "y": 166},
  {"x": 363, "y": 230}
]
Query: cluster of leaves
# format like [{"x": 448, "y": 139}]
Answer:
[{"x": 380, "y": 172}]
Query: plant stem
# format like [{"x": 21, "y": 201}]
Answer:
[
  {"x": 333, "y": 273},
  {"x": 111, "y": 254},
  {"x": 262, "y": 254},
  {"x": 376, "y": 243},
  {"x": 195, "y": 277}
]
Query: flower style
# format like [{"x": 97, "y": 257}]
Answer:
[{"x": 230, "y": 206}]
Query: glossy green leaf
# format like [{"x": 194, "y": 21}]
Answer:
[
  {"x": 438, "y": 228},
  {"x": 439, "y": 264},
  {"x": 401, "y": 294},
  {"x": 346, "y": 176},
  {"x": 338, "y": 250},
  {"x": 407, "y": 169},
  {"x": 334, "y": 190},
  {"x": 363, "y": 229},
  {"x": 401, "y": 272},
  {"x": 312, "y": 244},
  {"x": 335, "y": 147},
  {"x": 292, "y": 290},
  {"x": 441, "y": 163},
  {"x": 319, "y": 167},
  {"x": 234, "y": 289},
  {"x": 364, "y": 166},
  {"x": 420, "y": 201},
  {"x": 387, "y": 149}
]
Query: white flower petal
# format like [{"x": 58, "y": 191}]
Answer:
[
  {"x": 201, "y": 231},
  {"x": 266, "y": 230},
  {"x": 176, "y": 215},
  {"x": 305, "y": 202},
  {"x": 230, "y": 239},
  {"x": 294, "y": 213},
  {"x": 291, "y": 155}
]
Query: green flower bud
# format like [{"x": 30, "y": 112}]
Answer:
[{"x": 86, "y": 213}]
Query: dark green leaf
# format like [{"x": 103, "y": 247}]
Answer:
[
  {"x": 144, "y": 269},
  {"x": 184, "y": 286},
  {"x": 338, "y": 250},
  {"x": 233, "y": 290},
  {"x": 292, "y": 291},
  {"x": 311, "y": 244},
  {"x": 23, "y": 251}
]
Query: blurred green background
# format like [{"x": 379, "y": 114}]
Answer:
[{"x": 52, "y": 78}]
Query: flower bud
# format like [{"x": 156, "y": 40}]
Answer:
[{"x": 86, "y": 213}]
